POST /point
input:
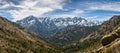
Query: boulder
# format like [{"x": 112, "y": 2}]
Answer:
[{"x": 107, "y": 40}]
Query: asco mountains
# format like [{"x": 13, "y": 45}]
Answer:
[
  {"x": 59, "y": 26},
  {"x": 59, "y": 35}
]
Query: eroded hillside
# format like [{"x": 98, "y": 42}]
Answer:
[
  {"x": 15, "y": 39},
  {"x": 111, "y": 42}
]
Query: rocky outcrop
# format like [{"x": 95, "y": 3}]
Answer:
[
  {"x": 107, "y": 39},
  {"x": 111, "y": 42}
]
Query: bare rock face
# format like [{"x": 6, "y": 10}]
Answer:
[
  {"x": 111, "y": 37},
  {"x": 107, "y": 40}
]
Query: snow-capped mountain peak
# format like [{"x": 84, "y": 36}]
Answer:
[
  {"x": 47, "y": 25},
  {"x": 58, "y": 22}
]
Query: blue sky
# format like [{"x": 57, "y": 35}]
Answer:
[{"x": 89, "y": 9}]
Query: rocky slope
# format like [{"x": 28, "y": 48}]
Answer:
[
  {"x": 92, "y": 42},
  {"x": 106, "y": 27},
  {"x": 111, "y": 42},
  {"x": 15, "y": 39}
]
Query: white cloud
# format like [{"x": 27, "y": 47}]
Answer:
[
  {"x": 3, "y": 4},
  {"x": 77, "y": 11},
  {"x": 33, "y": 7},
  {"x": 72, "y": 14},
  {"x": 111, "y": 6},
  {"x": 40, "y": 7},
  {"x": 98, "y": 18},
  {"x": 55, "y": 4},
  {"x": 20, "y": 14}
]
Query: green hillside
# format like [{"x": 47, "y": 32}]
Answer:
[{"x": 14, "y": 39}]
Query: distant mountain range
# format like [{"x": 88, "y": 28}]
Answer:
[
  {"x": 47, "y": 26},
  {"x": 77, "y": 38}
]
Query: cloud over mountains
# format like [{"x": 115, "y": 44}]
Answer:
[{"x": 19, "y": 9}]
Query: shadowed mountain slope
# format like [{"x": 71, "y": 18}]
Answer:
[{"x": 15, "y": 39}]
